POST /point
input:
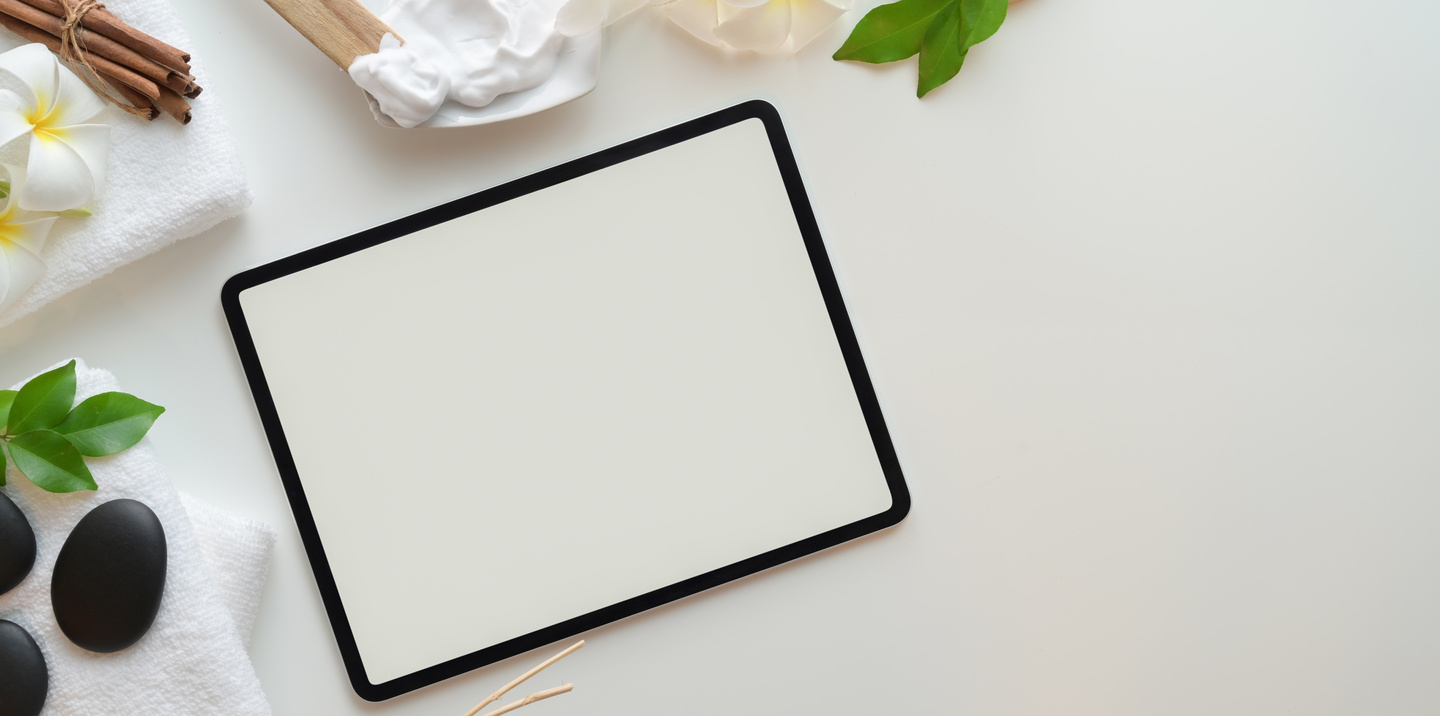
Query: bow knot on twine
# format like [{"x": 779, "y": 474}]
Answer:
[{"x": 72, "y": 50}]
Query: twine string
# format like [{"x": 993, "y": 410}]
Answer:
[{"x": 72, "y": 50}]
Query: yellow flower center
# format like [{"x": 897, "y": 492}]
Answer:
[
  {"x": 38, "y": 120},
  {"x": 45, "y": 126},
  {"x": 41, "y": 115}
]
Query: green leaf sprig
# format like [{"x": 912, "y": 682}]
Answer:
[
  {"x": 940, "y": 31},
  {"x": 48, "y": 440}
]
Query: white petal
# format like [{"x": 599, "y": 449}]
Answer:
[
  {"x": 4, "y": 278},
  {"x": 580, "y": 17},
  {"x": 697, "y": 17},
  {"x": 14, "y": 122},
  {"x": 621, "y": 8},
  {"x": 58, "y": 177},
  {"x": 36, "y": 68},
  {"x": 746, "y": 3},
  {"x": 74, "y": 102},
  {"x": 809, "y": 18},
  {"x": 92, "y": 143},
  {"x": 22, "y": 269},
  {"x": 761, "y": 28}
]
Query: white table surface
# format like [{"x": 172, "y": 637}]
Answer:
[{"x": 1150, "y": 294}]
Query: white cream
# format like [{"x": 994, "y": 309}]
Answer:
[
  {"x": 467, "y": 51},
  {"x": 408, "y": 87}
]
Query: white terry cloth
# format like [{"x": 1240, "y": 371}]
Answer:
[
  {"x": 237, "y": 551},
  {"x": 191, "y": 662},
  {"x": 164, "y": 182}
]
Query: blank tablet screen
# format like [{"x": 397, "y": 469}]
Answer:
[{"x": 575, "y": 397}]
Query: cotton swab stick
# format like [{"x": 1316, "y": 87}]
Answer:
[{"x": 492, "y": 698}]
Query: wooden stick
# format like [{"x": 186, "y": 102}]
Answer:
[
  {"x": 136, "y": 100},
  {"x": 105, "y": 67},
  {"x": 342, "y": 29},
  {"x": 103, "y": 22},
  {"x": 492, "y": 698},
  {"x": 532, "y": 698},
  {"x": 174, "y": 105}
]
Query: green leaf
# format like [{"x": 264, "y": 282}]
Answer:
[
  {"x": 108, "y": 423},
  {"x": 3, "y": 468},
  {"x": 50, "y": 461},
  {"x": 44, "y": 401},
  {"x": 4, "y": 188},
  {"x": 7, "y": 397},
  {"x": 979, "y": 19},
  {"x": 941, "y": 53},
  {"x": 79, "y": 213},
  {"x": 891, "y": 32}
]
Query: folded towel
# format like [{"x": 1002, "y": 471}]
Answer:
[
  {"x": 165, "y": 182},
  {"x": 237, "y": 551},
  {"x": 192, "y": 661}
]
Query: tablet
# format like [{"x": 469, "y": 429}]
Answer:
[{"x": 559, "y": 402}]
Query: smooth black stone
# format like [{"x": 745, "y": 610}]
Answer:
[
  {"x": 17, "y": 546},
  {"x": 110, "y": 576},
  {"x": 24, "y": 680}
]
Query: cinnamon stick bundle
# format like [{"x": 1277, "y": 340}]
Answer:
[
  {"x": 150, "y": 75},
  {"x": 106, "y": 68},
  {"x": 102, "y": 21}
]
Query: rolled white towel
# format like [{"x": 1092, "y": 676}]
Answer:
[
  {"x": 193, "y": 660},
  {"x": 237, "y": 551}
]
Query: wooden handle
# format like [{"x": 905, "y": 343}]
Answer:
[{"x": 342, "y": 29}]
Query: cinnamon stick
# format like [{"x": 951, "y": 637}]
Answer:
[
  {"x": 103, "y": 22},
  {"x": 174, "y": 105},
  {"x": 183, "y": 83},
  {"x": 106, "y": 68},
  {"x": 180, "y": 83},
  {"x": 136, "y": 100}
]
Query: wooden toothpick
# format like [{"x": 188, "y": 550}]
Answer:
[{"x": 532, "y": 698}]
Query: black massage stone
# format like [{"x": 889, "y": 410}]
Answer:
[
  {"x": 24, "y": 680},
  {"x": 17, "y": 546},
  {"x": 110, "y": 576}
]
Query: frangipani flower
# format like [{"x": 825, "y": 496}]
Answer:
[
  {"x": 759, "y": 25},
  {"x": 66, "y": 167},
  {"x": 580, "y": 17},
  {"x": 22, "y": 235}
]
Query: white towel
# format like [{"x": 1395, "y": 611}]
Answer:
[
  {"x": 164, "y": 182},
  {"x": 192, "y": 661},
  {"x": 237, "y": 551}
]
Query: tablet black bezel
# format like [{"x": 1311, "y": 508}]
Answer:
[{"x": 805, "y": 218}]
